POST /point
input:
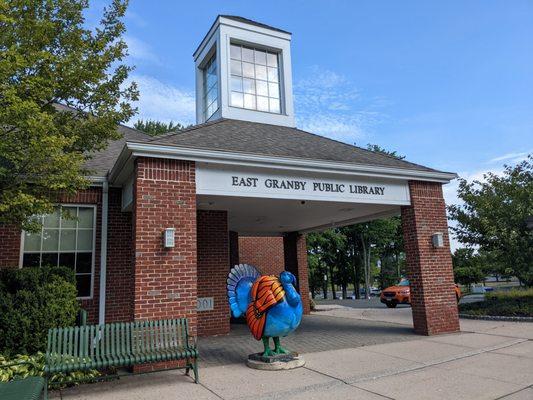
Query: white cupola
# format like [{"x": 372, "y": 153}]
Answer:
[{"x": 243, "y": 71}]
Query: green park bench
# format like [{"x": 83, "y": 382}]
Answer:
[
  {"x": 29, "y": 388},
  {"x": 125, "y": 344}
]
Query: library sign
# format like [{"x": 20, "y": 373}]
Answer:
[{"x": 252, "y": 182}]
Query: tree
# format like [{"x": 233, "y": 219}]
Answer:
[
  {"x": 155, "y": 128},
  {"x": 49, "y": 56},
  {"x": 493, "y": 217},
  {"x": 468, "y": 267},
  {"x": 376, "y": 148}
]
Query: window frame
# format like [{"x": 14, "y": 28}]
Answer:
[
  {"x": 212, "y": 58},
  {"x": 93, "y": 250},
  {"x": 280, "y": 82}
]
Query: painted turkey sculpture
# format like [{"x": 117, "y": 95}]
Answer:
[{"x": 272, "y": 306}]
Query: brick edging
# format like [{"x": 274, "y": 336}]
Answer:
[{"x": 496, "y": 318}]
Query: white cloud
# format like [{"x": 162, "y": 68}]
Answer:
[
  {"x": 140, "y": 50},
  {"x": 511, "y": 157},
  {"x": 163, "y": 102},
  {"x": 329, "y": 104}
]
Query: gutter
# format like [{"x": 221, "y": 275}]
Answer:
[{"x": 103, "y": 252}]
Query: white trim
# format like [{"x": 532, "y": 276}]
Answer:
[
  {"x": 244, "y": 159},
  {"x": 103, "y": 254},
  {"x": 87, "y": 205}
]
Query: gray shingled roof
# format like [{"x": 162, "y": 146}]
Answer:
[
  {"x": 103, "y": 161},
  {"x": 236, "y": 136}
]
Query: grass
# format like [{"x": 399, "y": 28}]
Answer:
[{"x": 513, "y": 303}]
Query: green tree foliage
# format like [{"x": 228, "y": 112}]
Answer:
[
  {"x": 48, "y": 56},
  {"x": 33, "y": 300},
  {"x": 155, "y": 128},
  {"x": 376, "y": 148},
  {"x": 493, "y": 217},
  {"x": 468, "y": 267}
]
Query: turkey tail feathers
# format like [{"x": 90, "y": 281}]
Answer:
[{"x": 239, "y": 286}]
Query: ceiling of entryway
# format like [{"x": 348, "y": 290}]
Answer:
[{"x": 259, "y": 216}]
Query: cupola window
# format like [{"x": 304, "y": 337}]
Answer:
[
  {"x": 210, "y": 87},
  {"x": 254, "y": 79}
]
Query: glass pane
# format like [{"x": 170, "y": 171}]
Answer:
[
  {"x": 68, "y": 217},
  {"x": 211, "y": 80},
  {"x": 85, "y": 240},
  {"x": 68, "y": 239},
  {"x": 247, "y": 70},
  {"x": 50, "y": 239},
  {"x": 236, "y": 68},
  {"x": 260, "y": 57},
  {"x": 32, "y": 241},
  {"x": 260, "y": 72},
  {"x": 236, "y": 99},
  {"x": 272, "y": 74},
  {"x": 236, "y": 83},
  {"x": 83, "y": 284},
  {"x": 272, "y": 60},
  {"x": 212, "y": 66},
  {"x": 274, "y": 105},
  {"x": 262, "y": 103},
  {"x": 249, "y": 101},
  {"x": 273, "y": 90},
  {"x": 84, "y": 263},
  {"x": 212, "y": 108},
  {"x": 52, "y": 220},
  {"x": 212, "y": 95},
  {"x": 31, "y": 260},
  {"x": 85, "y": 217},
  {"x": 235, "y": 52},
  {"x": 262, "y": 88},
  {"x": 49, "y": 259},
  {"x": 247, "y": 54},
  {"x": 248, "y": 85},
  {"x": 67, "y": 260}
]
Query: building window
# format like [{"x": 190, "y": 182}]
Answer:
[
  {"x": 66, "y": 239},
  {"x": 254, "y": 79},
  {"x": 210, "y": 87}
]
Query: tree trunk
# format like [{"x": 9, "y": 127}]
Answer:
[
  {"x": 324, "y": 281},
  {"x": 334, "y": 293},
  {"x": 356, "y": 276},
  {"x": 366, "y": 266}
]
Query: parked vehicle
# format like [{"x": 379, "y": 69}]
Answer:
[{"x": 401, "y": 294}]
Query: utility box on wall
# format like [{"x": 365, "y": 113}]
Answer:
[{"x": 168, "y": 238}]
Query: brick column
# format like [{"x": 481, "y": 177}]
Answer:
[
  {"x": 295, "y": 252},
  {"x": 213, "y": 269},
  {"x": 429, "y": 269},
  {"x": 10, "y": 237},
  {"x": 165, "y": 279}
]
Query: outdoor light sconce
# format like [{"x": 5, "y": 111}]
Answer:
[
  {"x": 168, "y": 238},
  {"x": 437, "y": 239}
]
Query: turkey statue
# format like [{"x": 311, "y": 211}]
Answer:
[{"x": 272, "y": 306}]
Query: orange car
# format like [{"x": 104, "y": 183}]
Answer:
[{"x": 401, "y": 294}]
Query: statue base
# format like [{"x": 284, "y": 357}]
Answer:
[{"x": 276, "y": 362}]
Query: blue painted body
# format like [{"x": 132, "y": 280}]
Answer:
[{"x": 282, "y": 319}]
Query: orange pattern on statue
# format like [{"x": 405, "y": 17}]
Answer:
[{"x": 266, "y": 293}]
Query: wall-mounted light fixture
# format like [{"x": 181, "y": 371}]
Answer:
[
  {"x": 437, "y": 239},
  {"x": 168, "y": 237}
]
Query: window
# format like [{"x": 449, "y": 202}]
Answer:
[
  {"x": 66, "y": 239},
  {"x": 210, "y": 87},
  {"x": 254, "y": 79}
]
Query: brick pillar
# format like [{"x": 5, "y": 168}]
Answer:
[
  {"x": 429, "y": 269},
  {"x": 233, "y": 248},
  {"x": 213, "y": 269},
  {"x": 165, "y": 279},
  {"x": 295, "y": 252},
  {"x": 266, "y": 253}
]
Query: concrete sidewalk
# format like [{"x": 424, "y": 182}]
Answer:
[{"x": 490, "y": 360}]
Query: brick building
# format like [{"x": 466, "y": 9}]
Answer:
[{"x": 166, "y": 217}]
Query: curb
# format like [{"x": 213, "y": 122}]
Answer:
[{"x": 496, "y": 318}]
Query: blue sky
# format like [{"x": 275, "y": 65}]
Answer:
[{"x": 448, "y": 84}]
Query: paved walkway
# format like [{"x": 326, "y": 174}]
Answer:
[{"x": 488, "y": 360}]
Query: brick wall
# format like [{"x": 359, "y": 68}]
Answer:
[
  {"x": 9, "y": 246},
  {"x": 295, "y": 254},
  {"x": 213, "y": 268},
  {"x": 429, "y": 269},
  {"x": 165, "y": 279},
  {"x": 233, "y": 248},
  {"x": 265, "y": 253}
]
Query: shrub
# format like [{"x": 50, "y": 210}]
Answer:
[
  {"x": 33, "y": 300},
  {"x": 312, "y": 304},
  {"x": 513, "y": 303},
  {"x": 34, "y": 366}
]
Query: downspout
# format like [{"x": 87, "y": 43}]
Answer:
[{"x": 103, "y": 252}]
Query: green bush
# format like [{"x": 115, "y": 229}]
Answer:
[
  {"x": 513, "y": 303},
  {"x": 33, "y": 300},
  {"x": 34, "y": 366}
]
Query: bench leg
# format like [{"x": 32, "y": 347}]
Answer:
[
  {"x": 195, "y": 369},
  {"x": 187, "y": 366}
]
